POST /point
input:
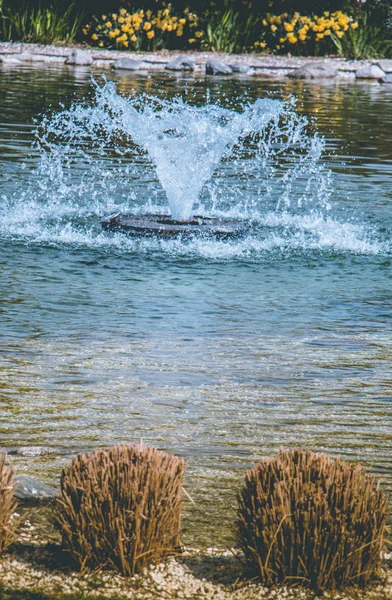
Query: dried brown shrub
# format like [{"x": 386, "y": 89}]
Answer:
[
  {"x": 8, "y": 504},
  {"x": 120, "y": 507},
  {"x": 304, "y": 517}
]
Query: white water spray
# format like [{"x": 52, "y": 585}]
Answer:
[
  {"x": 258, "y": 163},
  {"x": 185, "y": 143}
]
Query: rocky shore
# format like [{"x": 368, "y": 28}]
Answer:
[
  {"x": 201, "y": 63},
  {"x": 36, "y": 568}
]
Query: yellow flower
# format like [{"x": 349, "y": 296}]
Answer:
[
  {"x": 100, "y": 44},
  {"x": 150, "y": 34},
  {"x": 112, "y": 34},
  {"x": 327, "y": 32},
  {"x": 273, "y": 28},
  {"x": 281, "y": 40},
  {"x": 262, "y": 45},
  {"x": 133, "y": 38},
  {"x": 147, "y": 26},
  {"x": 182, "y": 21},
  {"x": 340, "y": 34},
  {"x": 319, "y": 36},
  {"x": 104, "y": 17},
  {"x": 288, "y": 27},
  {"x": 114, "y": 16},
  {"x": 121, "y": 20},
  {"x": 199, "y": 34},
  {"x": 108, "y": 24},
  {"x": 264, "y": 22},
  {"x": 192, "y": 40},
  {"x": 354, "y": 25},
  {"x": 94, "y": 37},
  {"x": 292, "y": 39}
]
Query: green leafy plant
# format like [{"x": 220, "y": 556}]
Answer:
[
  {"x": 42, "y": 25},
  {"x": 304, "y": 517},
  {"x": 222, "y": 32},
  {"x": 368, "y": 41},
  {"x": 120, "y": 507},
  {"x": 8, "y": 504}
]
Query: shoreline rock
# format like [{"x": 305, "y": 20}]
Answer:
[
  {"x": 30, "y": 490},
  {"x": 15, "y": 54},
  {"x": 215, "y": 67},
  {"x": 319, "y": 70}
]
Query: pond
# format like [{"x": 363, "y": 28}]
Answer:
[{"x": 220, "y": 351}]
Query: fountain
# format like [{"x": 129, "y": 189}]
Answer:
[
  {"x": 179, "y": 151},
  {"x": 185, "y": 144}
]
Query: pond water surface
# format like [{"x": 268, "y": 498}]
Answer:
[{"x": 222, "y": 352}]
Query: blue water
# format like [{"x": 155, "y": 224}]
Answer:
[{"x": 220, "y": 351}]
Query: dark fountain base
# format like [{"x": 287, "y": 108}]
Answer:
[{"x": 164, "y": 227}]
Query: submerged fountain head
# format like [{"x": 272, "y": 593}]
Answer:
[{"x": 165, "y": 227}]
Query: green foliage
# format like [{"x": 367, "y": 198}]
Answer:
[
  {"x": 120, "y": 507},
  {"x": 307, "y": 518},
  {"x": 222, "y": 33},
  {"x": 368, "y": 41},
  {"x": 45, "y": 25}
]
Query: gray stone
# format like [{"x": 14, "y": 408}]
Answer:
[
  {"x": 316, "y": 70},
  {"x": 31, "y": 450},
  {"x": 129, "y": 64},
  {"x": 214, "y": 67},
  {"x": 32, "y": 491},
  {"x": 369, "y": 72},
  {"x": 386, "y": 79},
  {"x": 240, "y": 68},
  {"x": 81, "y": 58},
  {"x": 181, "y": 64},
  {"x": 385, "y": 64}
]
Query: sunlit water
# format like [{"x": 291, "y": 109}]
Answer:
[{"x": 220, "y": 351}]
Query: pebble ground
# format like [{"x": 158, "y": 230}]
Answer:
[{"x": 38, "y": 565}]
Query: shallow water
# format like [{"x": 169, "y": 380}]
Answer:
[{"x": 220, "y": 351}]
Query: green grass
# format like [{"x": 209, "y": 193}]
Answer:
[
  {"x": 37, "y": 24},
  {"x": 222, "y": 33}
]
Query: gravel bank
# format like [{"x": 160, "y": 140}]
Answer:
[
  {"x": 37, "y": 565},
  {"x": 13, "y": 54}
]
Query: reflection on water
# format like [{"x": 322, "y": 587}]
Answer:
[{"x": 222, "y": 353}]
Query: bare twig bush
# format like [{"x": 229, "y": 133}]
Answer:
[
  {"x": 120, "y": 507},
  {"x": 304, "y": 517},
  {"x": 8, "y": 504}
]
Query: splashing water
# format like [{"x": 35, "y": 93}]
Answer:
[
  {"x": 256, "y": 162},
  {"x": 185, "y": 143}
]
